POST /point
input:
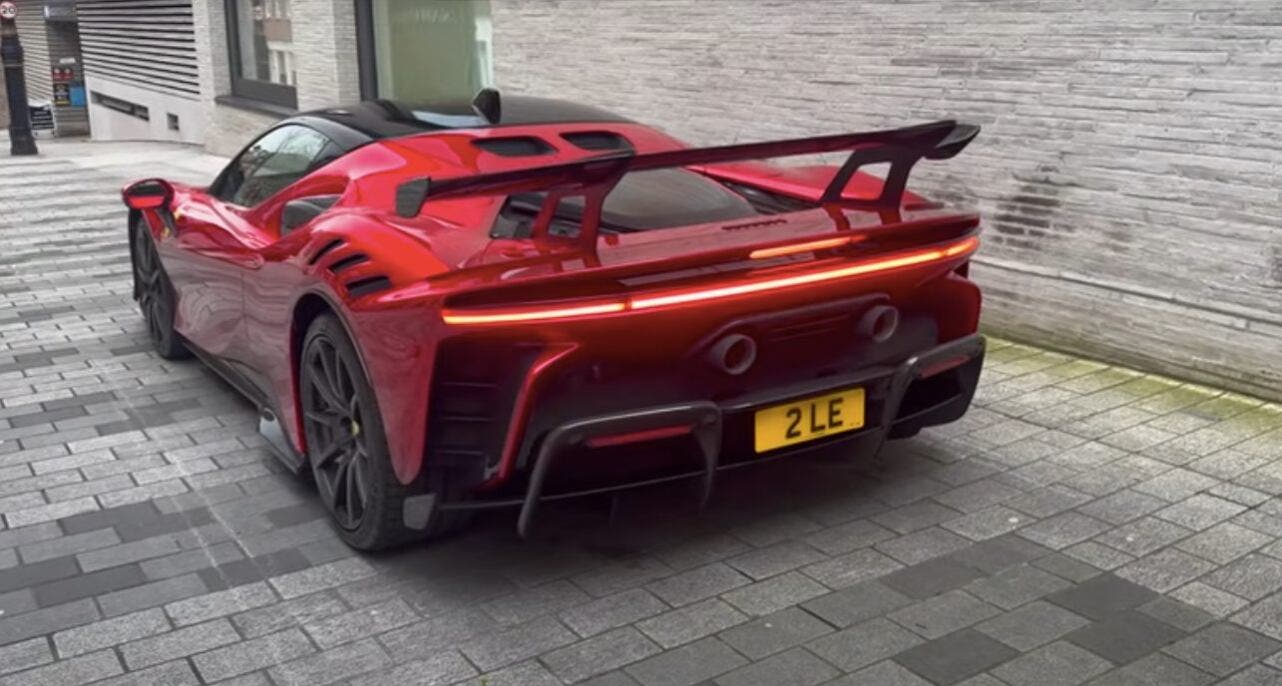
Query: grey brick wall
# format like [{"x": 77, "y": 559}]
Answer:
[
  {"x": 1128, "y": 169},
  {"x": 325, "y": 45}
]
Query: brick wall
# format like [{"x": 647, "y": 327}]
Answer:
[
  {"x": 325, "y": 45},
  {"x": 1128, "y": 167}
]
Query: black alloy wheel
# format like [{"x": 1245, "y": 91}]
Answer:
[
  {"x": 339, "y": 449},
  {"x": 347, "y": 446},
  {"x": 155, "y": 296}
]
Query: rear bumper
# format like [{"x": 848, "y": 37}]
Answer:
[{"x": 929, "y": 388}]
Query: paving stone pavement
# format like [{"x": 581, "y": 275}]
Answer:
[{"x": 1083, "y": 524}]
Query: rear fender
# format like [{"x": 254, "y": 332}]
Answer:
[{"x": 395, "y": 347}]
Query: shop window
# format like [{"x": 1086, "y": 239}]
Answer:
[
  {"x": 260, "y": 38},
  {"x": 422, "y": 52}
]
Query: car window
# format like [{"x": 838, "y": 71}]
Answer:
[
  {"x": 281, "y": 157},
  {"x": 641, "y": 201}
]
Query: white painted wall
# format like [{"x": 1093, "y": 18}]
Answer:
[{"x": 111, "y": 125}]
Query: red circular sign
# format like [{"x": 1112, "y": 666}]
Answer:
[{"x": 8, "y": 11}]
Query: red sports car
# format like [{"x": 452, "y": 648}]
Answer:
[{"x": 443, "y": 308}]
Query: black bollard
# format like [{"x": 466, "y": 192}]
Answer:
[{"x": 21, "y": 141}]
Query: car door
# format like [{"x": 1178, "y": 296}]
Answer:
[{"x": 217, "y": 238}]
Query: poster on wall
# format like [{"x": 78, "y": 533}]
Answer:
[{"x": 62, "y": 94}]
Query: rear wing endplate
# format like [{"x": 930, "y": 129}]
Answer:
[{"x": 594, "y": 177}]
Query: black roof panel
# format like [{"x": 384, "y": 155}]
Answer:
[{"x": 388, "y": 118}]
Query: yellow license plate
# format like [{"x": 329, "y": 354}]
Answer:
[{"x": 809, "y": 419}]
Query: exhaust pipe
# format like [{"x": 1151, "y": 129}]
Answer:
[
  {"x": 879, "y": 323},
  {"x": 733, "y": 354}
]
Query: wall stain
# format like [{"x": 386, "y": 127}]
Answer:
[{"x": 1026, "y": 219}]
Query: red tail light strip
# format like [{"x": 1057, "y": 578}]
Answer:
[
  {"x": 524, "y": 315},
  {"x": 679, "y": 297}
]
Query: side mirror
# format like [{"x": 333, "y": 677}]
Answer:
[{"x": 148, "y": 194}]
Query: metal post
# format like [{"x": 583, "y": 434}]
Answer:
[{"x": 21, "y": 142}]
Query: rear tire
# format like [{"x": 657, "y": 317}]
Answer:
[
  {"x": 347, "y": 445},
  {"x": 155, "y": 294}
]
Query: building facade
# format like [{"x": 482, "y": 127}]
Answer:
[
  {"x": 141, "y": 70},
  {"x": 52, "y": 67},
  {"x": 263, "y": 59},
  {"x": 1127, "y": 170}
]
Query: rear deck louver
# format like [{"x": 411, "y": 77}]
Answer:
[
  {"x": 597, "y": 140},
  {"x": 515, "y": 146}
]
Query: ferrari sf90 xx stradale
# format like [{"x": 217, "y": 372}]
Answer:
[{"x": 443, "y": 308}]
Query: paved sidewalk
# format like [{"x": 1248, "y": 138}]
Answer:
[{"x": 1084, "y": 523}]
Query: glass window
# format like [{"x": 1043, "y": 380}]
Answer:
[
  {"x": 261, "y": 43},
  {"x": 278, "y": 159},
  {"x": 425, "y": 51},
  {"x": 641, "y": 201}
]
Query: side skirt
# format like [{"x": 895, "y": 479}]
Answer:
[
  {"x": 269, "y": 427},
  {"x": 268, "y": 422}
]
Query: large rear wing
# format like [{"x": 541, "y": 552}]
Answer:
[{"x": 594, "y": 177}]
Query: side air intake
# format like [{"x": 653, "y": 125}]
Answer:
[
  {"x": 348, "y": 262},
  {"x": 371, "y": 284},
  {"x": 325, "y": 250}
]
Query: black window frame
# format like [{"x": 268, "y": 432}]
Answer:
[
  {"x": 251, "y": 89},
  {"x": 367, "y": 71}
]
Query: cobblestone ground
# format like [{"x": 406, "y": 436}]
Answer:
[{"x": 1084, "y": 523}]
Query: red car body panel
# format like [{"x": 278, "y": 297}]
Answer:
[{"x": 240, "y": 284}]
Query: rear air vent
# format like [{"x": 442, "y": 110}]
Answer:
[
  {"x": 474, "y": 392},
  {"x": 348, "y": 262},
  {"x": 597, "y": 140},
  {"x": 515, "y": 146},
  {"x": 324, "y": 249},
  {"x": 372, "y": 284}
]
